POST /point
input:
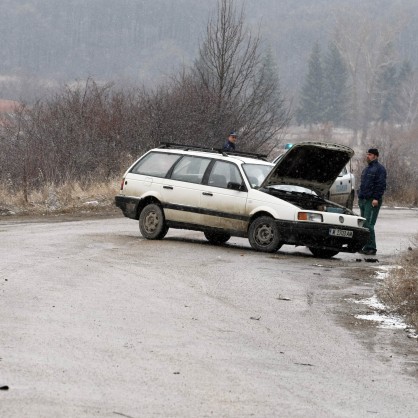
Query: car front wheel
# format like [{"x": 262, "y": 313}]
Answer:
[
  {"x": 264, "y": 235},
  {"x": 152, "y": 223},
  {"x": 321, "y": 253}
]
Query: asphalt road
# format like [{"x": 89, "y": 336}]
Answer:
[{"x": 97, "y": 322}]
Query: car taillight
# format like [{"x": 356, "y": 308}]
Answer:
[{"x": 122, "y": 183}]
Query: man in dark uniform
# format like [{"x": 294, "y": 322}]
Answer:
[
  {"x": 370, "y": 194},
  {"x": 230, "y": 142}
]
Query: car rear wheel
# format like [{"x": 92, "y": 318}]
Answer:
[
  {"x": 264, "y": 235},
  {"x": 217, "y": 237},
  {"x": 152, "y": 223},
  {"x": 321, "y": 253}
]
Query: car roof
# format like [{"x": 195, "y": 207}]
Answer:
[{"x": 225, "y": 156}]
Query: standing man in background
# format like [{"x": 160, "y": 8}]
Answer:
[
  {"x": 230, "y": 142},
  {"x": 370, "y": 195}
]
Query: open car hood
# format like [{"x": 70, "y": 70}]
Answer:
[{"x": 314, "y": 165}]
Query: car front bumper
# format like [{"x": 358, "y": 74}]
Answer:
[{"x": 318, "y": 236}]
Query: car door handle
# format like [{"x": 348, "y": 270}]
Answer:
[
  {"x": 207, "y": 194},
  {"x": 168, "y": 187}
]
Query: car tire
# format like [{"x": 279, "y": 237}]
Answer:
[
  {"x": 321, "y": 253},
  {"x": 217, "y": 237},
  {"x": 264, "y": 234},
  {"x": 152, "y": 223}
]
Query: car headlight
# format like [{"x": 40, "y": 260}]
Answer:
[
  {"x": 310, "y": 216},
  {"x": 360, "y": 222}
]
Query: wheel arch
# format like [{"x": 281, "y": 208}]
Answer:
[
  {"x": 146, "y": 201},
  {"x": 258, "y": 214},
  {"x": 263, "y": 211}
]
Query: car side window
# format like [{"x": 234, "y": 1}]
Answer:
[
  {"x": 344, "y": 171},
  {"x": 190, "y": 169},
  {"x": 222, "y": 173},
  {"x": 156, "y": 164}
]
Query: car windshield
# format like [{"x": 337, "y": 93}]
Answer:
[{"x": 256, "y": 173}]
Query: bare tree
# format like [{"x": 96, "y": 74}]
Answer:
[
  {"x": 408, "y": 101},
  {"x": 231, "y": 70},
  {"x": 365, "y": 45}
]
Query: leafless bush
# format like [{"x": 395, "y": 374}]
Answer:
[
  {"x": 398, "y": 153},
  {"x": 81, "y": 134},
  {"x": 400, "y": 288},
  {"x": 177, "y": 111}
]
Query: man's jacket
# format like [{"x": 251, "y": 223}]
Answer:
[
  {"x": 229, "y": 146},
  {"x": 373, "y": 181}
]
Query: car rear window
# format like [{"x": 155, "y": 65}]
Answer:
[{"x": 156, "y": 164}]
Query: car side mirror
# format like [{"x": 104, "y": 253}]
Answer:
[{"x": 236, "y": 186}]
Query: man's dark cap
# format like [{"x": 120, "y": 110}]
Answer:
[
  {"x": 373, "y": 151},
  {"x": 232, "y": 133}
]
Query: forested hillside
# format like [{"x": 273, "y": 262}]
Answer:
[
  {"x": 144, "y": 40},
  {"x": 93, "y": 84}
]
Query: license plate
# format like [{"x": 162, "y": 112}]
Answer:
[{"x": 341, "y": 233}]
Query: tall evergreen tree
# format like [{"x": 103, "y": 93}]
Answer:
[
  {"x": 386, "y": 88},
  {"x": 336, "y": 93},
  {"x": 406, "y": 108},
  {"x": 405, "y": 71},
  {"x": 270, "y": 71},
  {"x": 311, "y": 109}
]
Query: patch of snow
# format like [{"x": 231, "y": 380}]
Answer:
[
  {"x": 385, "y": 321},
  {"x": 383, "y": 271},
  {"x": 372, "y": 302},
  {"x": 403, "y": 207}
]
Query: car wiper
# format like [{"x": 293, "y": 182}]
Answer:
[{"x": 296, "y": 192}]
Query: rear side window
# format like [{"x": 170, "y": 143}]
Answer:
[
  {"x": 190, "y": 169},
  {"x": 156, "y": 164}
]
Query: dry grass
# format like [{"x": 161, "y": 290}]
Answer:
[
  {"x": 66, "y": 198},
  {"x": 400, "y": 289}
]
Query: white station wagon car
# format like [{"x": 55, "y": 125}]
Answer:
[{"x": 231, "y": 194}]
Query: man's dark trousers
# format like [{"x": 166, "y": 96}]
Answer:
[{"x": 370, "y": 213}]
